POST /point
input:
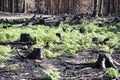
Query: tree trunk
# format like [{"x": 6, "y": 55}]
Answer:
[
  {"x": 95, "y": 8},
  {"x": 100, "y": 7},
  {"x": 51, "y": 7},
  {"x": 0, "y": 6},
  {"x": 13, "y": 6},
  {"x": 25, "y": 6}
]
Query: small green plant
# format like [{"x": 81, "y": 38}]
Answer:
[
  {"x": 50, "y": 54},
  {"x": 52, "y": 73},
  {"x": 4, "y": 55},
  {"x": 93, "y": 60},
  {"x": 111, "y": 73},
  {"x": 12, "y": 67}
]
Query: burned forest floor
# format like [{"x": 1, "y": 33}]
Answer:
[
  {"x": 64, "y": 47},
  {"x": 70, "y": 68}
]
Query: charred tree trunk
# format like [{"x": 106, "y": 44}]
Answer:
[
  {"x": 95, "y": 8},
  {"x": 51, "y": 7},
  {"x": 100, "y": 7},
  {"x": 25, "y": 6},
  {"x": 109, "y": 7},
  {"x": 113, "y": 7},
  {"x": 13, "y": 6},
  {"x": 0, "y": 6}
]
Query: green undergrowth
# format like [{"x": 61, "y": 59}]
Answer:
[
  {"x": 4, "y": 53},
  {"x": 12, "y": 67},
  {"x": 111, "y": 73},
  {"x": 51, "y": 73},
  {"x": 71, "y": 39}
]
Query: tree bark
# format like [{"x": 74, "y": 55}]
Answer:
[
  {"x": 25, "y": 6},
  {"x": 100, "y": 7},
  {"x": 13, "y": 6},
  {"x": 0, "y": 6},
  {"x": 95, "y": 8}
]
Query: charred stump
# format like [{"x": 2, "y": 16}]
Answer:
[
  {"x": 59, "y": 35},
  {"x": 64, "y": 30},
  {"x": 47, "y": 45},
  {"x": 37, "y": 53},
  {"x": 105, "y": 61},
  {"x": 82, "y": 30},
  {"x": 25, "y": 38}
]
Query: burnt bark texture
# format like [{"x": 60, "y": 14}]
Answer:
[
  {"x": 95, "y": 7},
  {"x": 106, "y": 61},
  {"x": 37, "y": 53}
]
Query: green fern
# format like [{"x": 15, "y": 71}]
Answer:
[
  {"x": 111, "y": 73},
  {"x": 52, "y": 73}
]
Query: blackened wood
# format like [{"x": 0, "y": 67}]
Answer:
[
  {"x": 13, "y": 6},
  {"x": 47, "y": 45},
  {"x": 59, "y": 35},
  {"x": 37, "y": 53},
  {"x": 95, "y": 40},
  {"x": 105, "y": 61},
  {"x": 25, "y": 38},
  {"x": 82, "y": 30}
]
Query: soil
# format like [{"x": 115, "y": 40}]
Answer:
[{"x": 70, "y": 68}]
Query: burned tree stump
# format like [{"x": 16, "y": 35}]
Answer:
[
  {"x": 64, "y": 30},
  {"x": 95, "y": 40},
  {"x": 59, "y": 35},
  {"x": 37, "y": 53},
  {"x": 82, "y": 30},
  {"x": 105, "y": 61},
  {"x": 25, "y": 38},
  {"x": 47, "y": 45}
]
